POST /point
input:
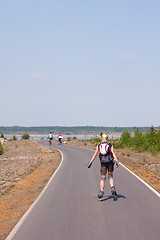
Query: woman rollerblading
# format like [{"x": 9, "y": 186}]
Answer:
[{"x": 107, "y": 159}]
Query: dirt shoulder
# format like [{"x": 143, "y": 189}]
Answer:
[{"x": 25, "y": 168}]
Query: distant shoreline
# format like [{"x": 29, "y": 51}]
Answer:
[{"x": 115, "y": 135}]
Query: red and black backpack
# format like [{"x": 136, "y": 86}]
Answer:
[{"x": 105, "y": 153}]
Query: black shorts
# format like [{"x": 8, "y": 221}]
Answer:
[{"x": 107, "y": 167}]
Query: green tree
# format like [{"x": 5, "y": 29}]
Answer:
[
  {"x": 152, "y": 139},
  {"x": 14, "y": 138},
  {"x": 25, "y": 136},
  {"x": 101, "y": 134},
  {"x": 2, "y": 135},
  {"x": 1, "y": 149},
  {"x": 138, "y": 140},
  {"x": 125, "y": 139}
]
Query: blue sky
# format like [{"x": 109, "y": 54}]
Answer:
[{"x": 72, "y": 63}]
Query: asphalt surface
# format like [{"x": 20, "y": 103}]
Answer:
[{"x": 69, "y": 209}]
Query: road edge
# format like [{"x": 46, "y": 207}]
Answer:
[
  {"x": 25, "y": 215},
  {"x": 140, "y": 179}
]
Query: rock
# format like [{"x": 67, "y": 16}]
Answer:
[
  {"x": 49, "y": 151},
  {"x": 2, "y": 140}
]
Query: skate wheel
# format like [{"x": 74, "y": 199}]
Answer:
[
  {"x": 115, "y": 197},
  {"x": 100, "y": 199}
]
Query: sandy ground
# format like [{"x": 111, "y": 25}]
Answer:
[{"x": 26, "y": 167}]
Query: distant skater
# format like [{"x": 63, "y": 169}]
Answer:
[
  {"x": 50, "y": 138},
  {"x": 60, "y": 138},
  {"x": 107, "y": 159}
]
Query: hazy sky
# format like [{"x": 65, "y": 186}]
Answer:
[{"x": 84, "y": 62}]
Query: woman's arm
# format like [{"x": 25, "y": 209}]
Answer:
[
  {"x": 93, "y": 157},
  {"x": 114, "y": 155}
]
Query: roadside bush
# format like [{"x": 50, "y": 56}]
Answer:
[
  {"x": 14, "y": 138},
  {"x": 138, "y": 140},
  {"x": 95, "y": 140},
  {"x": 115, "y": 143},
  {"x": 153, "y": 149},
  {"x": 147, "y": 142},
  {"x": 25, "y": 136},
  {"x": 1, "y": 149},
  {"x": 101, "y": 133},
  {"x": 152, "y": 141},
  {"x": 2, "y": 135},
  {"x": 68, "y": 138},
  {"x": 125, "y": 139}
]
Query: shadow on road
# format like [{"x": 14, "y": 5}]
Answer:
[{"x": 105, "y": 198}]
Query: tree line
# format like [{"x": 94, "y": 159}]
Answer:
[
  {"x": 90, "y": 130},
  {"x": 138, "y": 141}
]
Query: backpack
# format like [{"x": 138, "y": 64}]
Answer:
[
  {"x": 103, "y": 148},
  {"x": 105, "y": 153}
]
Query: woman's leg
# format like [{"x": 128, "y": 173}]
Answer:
[
  {"x": 111, "y": 180},
  {"x": 102, "y": 182}
]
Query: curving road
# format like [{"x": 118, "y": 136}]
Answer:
[{"x": 69, "y": 208}]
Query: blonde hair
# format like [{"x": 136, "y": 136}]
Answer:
[{"x": 104, "y": 137}]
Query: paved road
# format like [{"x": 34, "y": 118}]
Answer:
[{"x": 69, "y": 208}]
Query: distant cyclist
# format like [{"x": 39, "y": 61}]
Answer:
[
  {"x": 108, "y": 159},
  {"x": 60, "y": 138},
  {"x": 50, "y": 137}
]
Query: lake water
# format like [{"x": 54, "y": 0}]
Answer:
[{"x": 80, "y": 137}]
